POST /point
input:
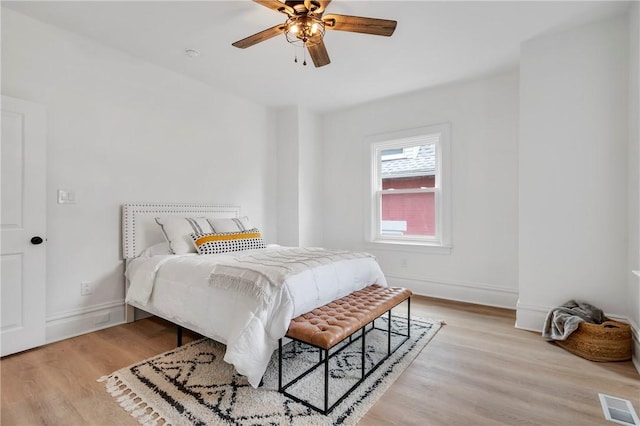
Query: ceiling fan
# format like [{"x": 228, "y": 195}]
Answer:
[{"x": 305, "y": 25}]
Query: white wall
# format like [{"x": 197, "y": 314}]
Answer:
[
  {"x": 299, "y": 177},
  {"x": 573, "y": 170},
  {"x": 311, "y": 179},
  {"x": 288, "y": 152},
  {"x": 483, "y": 264},
  {"x": 121, "y": 130}
]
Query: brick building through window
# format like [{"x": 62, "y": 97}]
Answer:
[{"x": 413, "y": 212}]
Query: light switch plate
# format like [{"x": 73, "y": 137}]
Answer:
[{"x": 66, "y": 197}]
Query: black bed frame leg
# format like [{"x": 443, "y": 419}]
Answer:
[
  {"x": 179, "y": 336},
  {"x": 280, "y": 365}
]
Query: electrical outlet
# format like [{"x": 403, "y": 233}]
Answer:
[{"x": 85, "y": 288}]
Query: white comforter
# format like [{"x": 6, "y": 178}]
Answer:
[{"x": 178, "y": 288}]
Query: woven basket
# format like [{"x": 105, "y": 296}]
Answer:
[{"x": 609, "y": 341}]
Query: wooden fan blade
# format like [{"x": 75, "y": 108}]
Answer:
[
  {"x": 278, "y": 6},
  {"x": 319, "y": 54},
  {"x": 261, "y": 36},
  {"x": 316, "y": 6},
  {"x": 358, "y": 24}
]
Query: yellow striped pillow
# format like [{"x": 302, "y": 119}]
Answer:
[{"x": 223, "y": 242}]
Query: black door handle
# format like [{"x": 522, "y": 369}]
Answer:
[{"x": 36, "y": 240}]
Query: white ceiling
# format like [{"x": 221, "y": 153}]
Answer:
[{"x": 435, "y": 43}]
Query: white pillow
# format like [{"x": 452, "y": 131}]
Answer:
[
  {"x": 156, "y": 249},
  {"x": 230, "y": 225},
  {"x": 178, "y": 229}
]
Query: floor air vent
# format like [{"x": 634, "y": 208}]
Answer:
[{"x": 618, "y": 410}]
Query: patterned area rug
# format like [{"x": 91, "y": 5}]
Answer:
[{"x": 192, "y": 385}]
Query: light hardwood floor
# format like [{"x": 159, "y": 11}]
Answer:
[{"x": 478, "y": 370}]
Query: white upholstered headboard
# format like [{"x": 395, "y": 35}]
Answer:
[{"x": 140, "y": 230}]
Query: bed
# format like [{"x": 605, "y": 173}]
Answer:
[{"x": 243, "y": 298}]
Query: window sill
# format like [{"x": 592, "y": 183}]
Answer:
[{"x": 408, "y": 246}]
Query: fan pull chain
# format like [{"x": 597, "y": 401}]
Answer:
[{"x": 304, "y": 52}]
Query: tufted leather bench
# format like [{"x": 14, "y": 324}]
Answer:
[{"x": 327, "y": 326}]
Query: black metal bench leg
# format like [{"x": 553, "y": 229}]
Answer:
[
  {"x": 364, "y": 349},
  {"x": 326, "y": 381},
  {"x": 409, "y": 317},
  {"x": 389, "y": 333},
  {"x": 179, "y": 336}
]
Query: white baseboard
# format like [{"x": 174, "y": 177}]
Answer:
[
  {"x": 81, "y": 321},
  {"x": 461, "y": 291},
  {"x": 531, "y": 317}
]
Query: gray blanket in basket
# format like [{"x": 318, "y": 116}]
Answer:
[{"x": 564, "y": 320}]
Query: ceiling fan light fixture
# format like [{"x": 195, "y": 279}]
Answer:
[
  {"x": 304, "y": 29},
  {"x": 306, "y": 23}
]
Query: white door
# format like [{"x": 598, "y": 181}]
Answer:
[{"x": 22, "y": 225}]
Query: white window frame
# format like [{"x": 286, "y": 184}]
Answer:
[{"x": 440, "y": 135}]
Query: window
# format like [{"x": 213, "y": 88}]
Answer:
[{"x": 410, "y": 187}]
